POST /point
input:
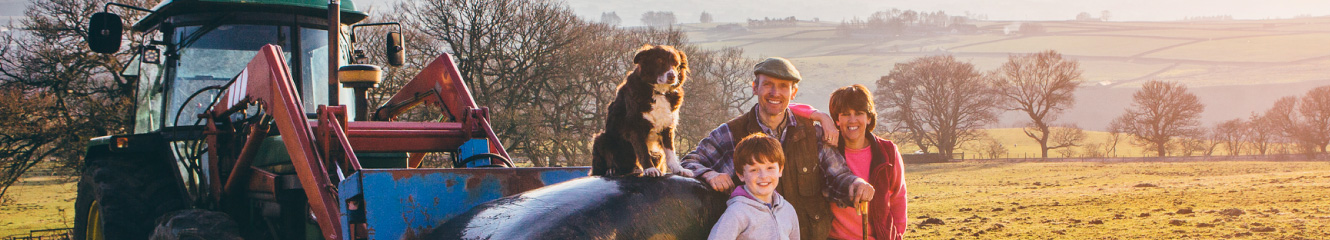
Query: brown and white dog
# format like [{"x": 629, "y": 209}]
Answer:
[{"x": 639, "y": 132}]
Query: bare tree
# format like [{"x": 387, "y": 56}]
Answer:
[
  {"x": 1262, "y": 131},
  {"x": 517, "y": 69},
  {"x": 705, "y": 18},
  {"x": 57, "y": 93},
  {"x": 1041, "y": 85},
  {"x": 1095, "y": 150},
  {"x": 1315, "y": 109},
  {"x": 1187, "y": 146},
  {"x": 1066, "y": 137},
  {"x": 1104, "y": 15},
  {"x": 1116, "y": 128},
  {"x": 659, "y": 19},
  {"x": 1084, "y": 16},
  {"x": 993, "y": 148},
  {"x": 1160, "y": 112},
  {"x": 1284, "y": 115},
  {"x": 1232, "y": 134},
  {"x": 943, "y": 102},
  {"x": 1209, "y": 142},
  {"x": 719, "y": 88},
  {"x": 610, "y": 18}
]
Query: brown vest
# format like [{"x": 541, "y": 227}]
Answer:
[{"x": 801, "y": 182}]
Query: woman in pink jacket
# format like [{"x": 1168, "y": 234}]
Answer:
[{"x": 869, "y": 157}]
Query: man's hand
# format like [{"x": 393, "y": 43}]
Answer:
[
  {"x": 830, "y": 134},
  {"x": 719, "y": 181},
  {"x": 861, "y": 191}
]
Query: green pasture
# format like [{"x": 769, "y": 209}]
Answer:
[
  {"x": 968, "y": 200},
  {"x": 1137, "y": 200},
  {"x": 38, "y": 202}
]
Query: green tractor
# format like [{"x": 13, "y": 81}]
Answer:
[{"x": 241, "y": 130}]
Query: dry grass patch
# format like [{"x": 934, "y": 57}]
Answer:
[
  {"x": 38, "y": 203},
  {"x": 1103, "y": 200}
]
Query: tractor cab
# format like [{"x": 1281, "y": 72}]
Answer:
[{"x": 197, "y": 45}]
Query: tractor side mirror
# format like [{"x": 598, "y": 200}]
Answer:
[
  {"x": 104, "y": 31},
  {"x": 395, "y": 50}
]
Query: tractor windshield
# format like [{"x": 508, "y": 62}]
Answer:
[{"x": 212, "y": 56}]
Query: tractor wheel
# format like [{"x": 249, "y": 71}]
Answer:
[
  {"x": 196, "y": 224},
  {"x": 120, "y": 197}
]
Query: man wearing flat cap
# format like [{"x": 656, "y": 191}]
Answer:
[{"x": 815, "y": 174}]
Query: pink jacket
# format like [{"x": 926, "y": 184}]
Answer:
[{"x": 888, "y": 208}]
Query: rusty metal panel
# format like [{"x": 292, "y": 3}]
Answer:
[{"x": 407, "y": 201}]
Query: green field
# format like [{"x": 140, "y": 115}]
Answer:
[
  {"x": 35, "y": 203},
  {"x": 1191, "y": 200},
  {"x": 1140, "y": 200}
]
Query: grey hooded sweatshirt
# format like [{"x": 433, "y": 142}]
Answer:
[{"x": 747, "y": 218}]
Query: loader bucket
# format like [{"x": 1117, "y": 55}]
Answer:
[{"x": 392, "y": 203}]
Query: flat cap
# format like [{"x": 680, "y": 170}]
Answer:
[{"x": 778, "y": 68}]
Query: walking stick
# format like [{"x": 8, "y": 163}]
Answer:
[{"x": 863, "y": 211}]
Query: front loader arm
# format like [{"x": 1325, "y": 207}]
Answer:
[
  {"x": 440, "y": 84},
  {"x": 266, "y": 81}
]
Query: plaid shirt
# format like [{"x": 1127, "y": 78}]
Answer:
[{"x": 716, "y": 153}]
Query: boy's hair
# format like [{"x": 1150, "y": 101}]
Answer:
[
  {"x": 758, "y": 148},
  {"x": 853, "y": 98}
]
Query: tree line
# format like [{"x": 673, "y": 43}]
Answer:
[
  {"x": 939, "y": 103},
  {"x": 896, "y": 22}
]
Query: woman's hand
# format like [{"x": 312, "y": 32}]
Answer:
[{"x": 830, "y": 133}]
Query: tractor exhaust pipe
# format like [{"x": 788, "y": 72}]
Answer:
[{"x": 334, "y": 51}]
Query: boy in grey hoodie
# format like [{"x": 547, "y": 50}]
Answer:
[{"x": 755, "y": 210}]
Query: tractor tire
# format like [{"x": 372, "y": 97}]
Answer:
[
  {"x": 119, "y": 197},
  {"x": 196, "y": 224}
]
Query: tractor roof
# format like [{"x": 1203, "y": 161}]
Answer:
[{"x": 315, "y": 8}]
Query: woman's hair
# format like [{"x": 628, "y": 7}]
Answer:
[
  {"x": 758, "y": 148},
  {"x": 854, "y": 98}
]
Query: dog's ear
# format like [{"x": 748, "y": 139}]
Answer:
[
  {"x": 642, "y": 53},
  {"x": 683, "y": 59}
]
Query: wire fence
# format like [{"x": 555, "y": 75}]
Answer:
[{"x": 45, "y": 234}]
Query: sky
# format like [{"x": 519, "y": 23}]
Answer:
[{"x": 836, "y": 10}]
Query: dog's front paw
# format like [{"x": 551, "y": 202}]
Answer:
[
  {"x": 686, "y": 173},
  {"x": 651, "y": 172}
]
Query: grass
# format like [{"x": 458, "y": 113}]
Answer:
[
  {"x": 1145, "y": 200},
  {"x": 35, "y": 203},
  {"x": 1277, "y": 200}
]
